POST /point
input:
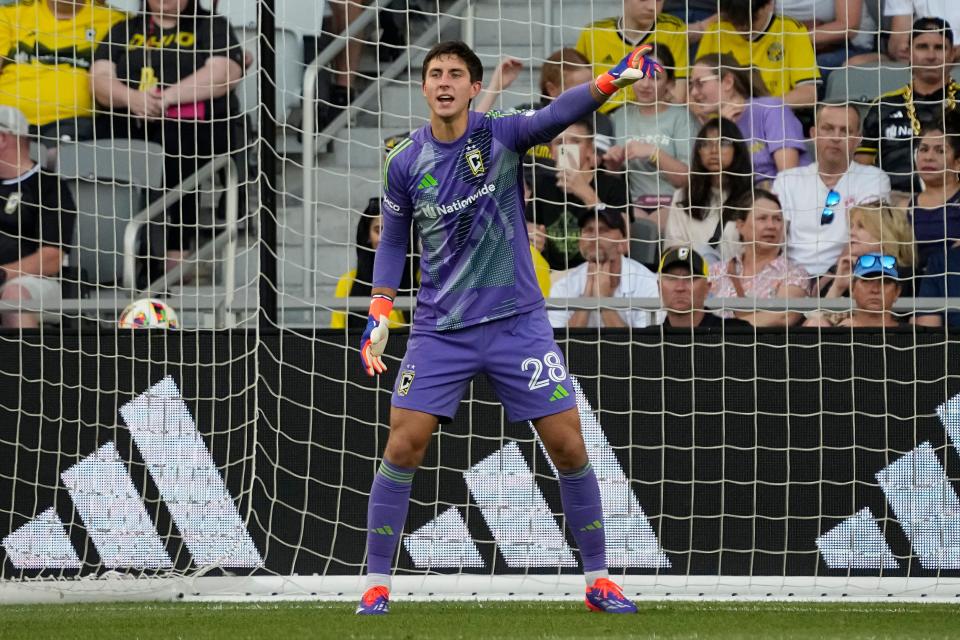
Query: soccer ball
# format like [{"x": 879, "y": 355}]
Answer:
[{"x": 148, "y": 313}]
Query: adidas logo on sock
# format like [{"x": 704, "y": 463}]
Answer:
[
  {"x": 427, "y": 182},
  {"x": 385, "y": 530},
  {"x": 593, "y": 526},
  {"x": 559, "y": 393}
]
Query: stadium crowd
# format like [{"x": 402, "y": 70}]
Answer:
[
  {"x": 732, "y": 161},
  {"x": 737, "y": 161},
  {"x": 76, "y": 70}
]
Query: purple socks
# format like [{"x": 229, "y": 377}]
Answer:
[
  {"x": 580, "y": 494},
  {"x": 386, "y": 514},
  {"x": 390, "y": 497}
]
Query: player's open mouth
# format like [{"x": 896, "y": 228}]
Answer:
[{"x": 445, "y": 98}]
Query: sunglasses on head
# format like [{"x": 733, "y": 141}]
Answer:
[
  {"x": 833, "y": 199},
  {"x": 870, "y": 260}
]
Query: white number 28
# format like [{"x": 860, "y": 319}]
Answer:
[{"x": 554, "y": 366}]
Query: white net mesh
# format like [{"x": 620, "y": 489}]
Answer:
[{"x": 732, "y": 460}]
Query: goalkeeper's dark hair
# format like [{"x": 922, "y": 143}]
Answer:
[
  {"x": 735, "y": 179},
  {"x": 458, "y": 49},
  {"x": 740, "y": 13}
]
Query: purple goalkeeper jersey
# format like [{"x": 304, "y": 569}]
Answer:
[{"x": 466, "y": 198}]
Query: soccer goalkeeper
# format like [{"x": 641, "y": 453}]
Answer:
[{"x": 479, "y": 309}]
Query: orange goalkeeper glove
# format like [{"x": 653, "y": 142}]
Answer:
[
  {"x": 374, "y": 339},
  {"x": 635, "y": 66}
]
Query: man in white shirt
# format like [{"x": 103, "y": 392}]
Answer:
[
  {"x": 607, "y": 273},
  {"x": 815, "y": 198},
  {"x": 902, "y": 14}
]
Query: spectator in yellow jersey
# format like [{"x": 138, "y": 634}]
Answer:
[
  {"x": 46, "y": 50},
  {"x": 606, "y": 41},
  {"x": 779, "y": 47}
]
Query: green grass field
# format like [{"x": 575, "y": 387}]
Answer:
[{"x": 480, "y": 620}]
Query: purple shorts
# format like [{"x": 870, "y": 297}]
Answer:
[{"x": 518, "y": 354}]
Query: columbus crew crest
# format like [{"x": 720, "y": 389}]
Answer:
[
  {"x": 775, "y": 52},
  {"x": 406, "y": 379},
  {"x": 475, "y": 161}
]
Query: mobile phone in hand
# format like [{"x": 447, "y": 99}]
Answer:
[{"x": 568, "y": 156}]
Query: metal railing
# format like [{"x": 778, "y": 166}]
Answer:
[
  {"x": 158, "y": 208},
  {"x": 903, "y": 306},
  {"x": 217, "y": 300}
]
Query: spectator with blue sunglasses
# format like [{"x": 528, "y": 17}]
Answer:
[
  {"x": 815, "y": 198},
  {"x": 875, "y": 227},
  {"x": 875, "y": 289}
]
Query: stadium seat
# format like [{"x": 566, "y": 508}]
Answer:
[
  {"x": 862, "y": 85},
  {"x": 108, "y": 180},
  {"x": 303, "y": 17},
  {"x": 290, "y": 66}
]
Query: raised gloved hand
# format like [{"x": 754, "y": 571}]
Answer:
[
  {"x": 635, "y": 66},
  {"x": 374, "y": 339}
]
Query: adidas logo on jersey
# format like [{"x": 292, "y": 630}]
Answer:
[
  {"x": 559, "y": 393},
  {"x": 101, "y": 487},
  {"x": 427, "y": 182}
]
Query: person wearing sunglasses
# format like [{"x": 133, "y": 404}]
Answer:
[
  {"x": 815, "y": 198},
  {"x": 875, "y": 227},
  {"x": 875, "y": 289},
  {"x": 720, "y": 86}
]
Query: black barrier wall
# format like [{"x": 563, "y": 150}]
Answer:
[{"x": 738, "y": 454}]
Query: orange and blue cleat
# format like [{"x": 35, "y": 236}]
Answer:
[
  {"x": 375, "y": 602},
  {"x": 605, "y": 596}
]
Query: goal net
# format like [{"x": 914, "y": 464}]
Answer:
[{"x": 802, "y": 453}]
